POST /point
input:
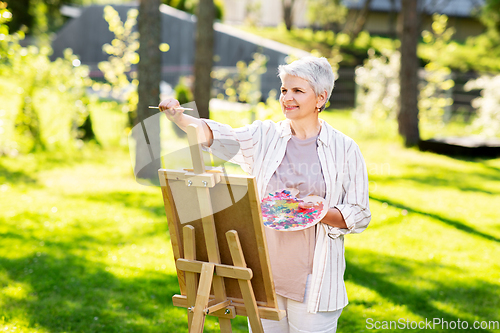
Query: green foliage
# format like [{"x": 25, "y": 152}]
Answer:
[
  {"x": 490, "y": 15},
  {"x": 183, "y": 94},
  {"x": 271, "y": 109},
  {"x": 182, "y": 91},
  {"x": 479, "y": 53},
  {"x": 38, "y": 81},
  {"x": 7, "y": 40},
  {"x": 121, "y": 79},
  {"x": 377, "y": 82},
  {"x": 243, "y": 85},
  {"x": 326, "y": 13},
  {"x": 435, "y": 95},
  {"x": 337, "y": 47},
  {"x": 37, "y": 16},
  {"x": 121, "y": 83}
]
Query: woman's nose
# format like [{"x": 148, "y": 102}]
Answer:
[{"x": 287, "y": 96}]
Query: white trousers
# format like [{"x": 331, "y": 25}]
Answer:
[{"x": 298, "y": 320}]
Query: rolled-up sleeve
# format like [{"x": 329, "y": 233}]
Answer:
[
  {"x": 235, "y": 145},
  {"x": 354, "y": 205}
]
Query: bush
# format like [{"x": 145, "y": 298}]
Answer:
[
  {"x": 488, "y": 105},
  {"x": 56, "y": 87}
]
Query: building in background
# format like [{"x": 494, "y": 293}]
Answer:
[{"x": 381, "y": 19}]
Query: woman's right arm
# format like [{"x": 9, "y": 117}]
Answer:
[
  {"x": 169, "y": 107},
  {"x": 238, "y": 146}
]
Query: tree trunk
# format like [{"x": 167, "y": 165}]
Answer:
[
  {"x": 203, "y": 59},
  {"x": 288, "y": 13},
  {"x": 149, "y": 75},
  {"x": 408, "y": 77}
]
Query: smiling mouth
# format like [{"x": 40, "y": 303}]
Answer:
[{"x": 289, "y": 108}]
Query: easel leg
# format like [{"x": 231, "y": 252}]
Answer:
[
  {"x": 220, "y": 296},
  {"x": 225, "y": 325},
  {"x": 191, "y": 278},
  {"x": 206, "y": 278},
  {"x": 245, "y": 285}
]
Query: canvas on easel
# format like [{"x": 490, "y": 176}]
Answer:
[{"x": 219, "y": 244}]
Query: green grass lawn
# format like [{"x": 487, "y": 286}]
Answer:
[{"x": 84, "y": 248}]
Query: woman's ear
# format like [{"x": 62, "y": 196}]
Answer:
[{"x": 321, "y": 99}]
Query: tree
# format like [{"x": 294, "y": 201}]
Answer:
[
  {"x": 490, "y": 15},
  {"x": 408, "y": 113},
  {"x": 203, "y": 58},
  {"x": 149, "y": 66},
  {"x": 37, "y": 14},
  {"x": 288, "y": 13},
  {"x": 149, "y": 75}
]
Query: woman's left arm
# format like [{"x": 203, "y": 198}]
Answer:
[
  {"x": 352, "y": 214},
  {"x": 334, "y": 218}
]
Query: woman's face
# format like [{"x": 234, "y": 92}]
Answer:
[{"x": 297, "y": 99}]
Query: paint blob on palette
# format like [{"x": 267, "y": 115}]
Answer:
[{"x": 281, "y": 211}]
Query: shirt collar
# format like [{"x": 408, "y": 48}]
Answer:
[
  {"x": 323, "y": 134},
  {"x": 286, "y": 130}
]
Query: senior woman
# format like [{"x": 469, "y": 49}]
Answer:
[{"x": 306, "y": 153}]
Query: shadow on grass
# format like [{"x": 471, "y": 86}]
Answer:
[
  {"x": 23, "y": 168},
  {"x": 64, "y": 286},
  {"x": 487, "y": 165},
  {"x": 454, "y": 223},
  {"x": 434, "y": 175},
  {"x": 72, "y": 294},
  {"x": 10, "y": 176},
  {"x": 390, "y": 277},
  {"x": 149, "y": 202}
]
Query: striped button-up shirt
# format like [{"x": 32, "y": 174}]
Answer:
[{"x": 259, "y": 149}]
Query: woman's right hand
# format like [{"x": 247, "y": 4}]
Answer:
[{"x": 169, "y": 106}]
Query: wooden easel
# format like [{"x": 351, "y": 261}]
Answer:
[{"x": 196, "y": 292}]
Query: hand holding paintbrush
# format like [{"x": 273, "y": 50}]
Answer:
[
  {"x": 175, "y": 113},
  {"x": 171, "y": 108}
]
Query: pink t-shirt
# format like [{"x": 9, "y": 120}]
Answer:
[{"x": 291, "y": 252}]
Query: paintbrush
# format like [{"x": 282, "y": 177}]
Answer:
[{"x": 178, "y": 108}]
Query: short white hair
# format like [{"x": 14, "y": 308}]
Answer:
[{"x": 316, "y": 71}]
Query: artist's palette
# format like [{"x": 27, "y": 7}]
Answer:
[{"x": 281, "y": 211}]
